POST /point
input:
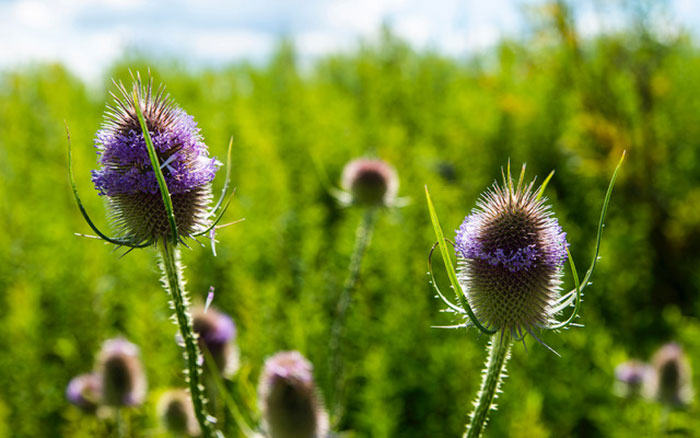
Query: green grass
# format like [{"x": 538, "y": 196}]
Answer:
[{"x": 445, "y": 123}]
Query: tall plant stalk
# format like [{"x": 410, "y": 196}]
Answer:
[
  {"x": 493, "y": 374},
  {"x": 363, "y": 236},
  {"x": 175, "y": 286}
]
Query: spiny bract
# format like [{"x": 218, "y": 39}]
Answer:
[
  {"x": 127, "y": 178},
  {"x": 511, "y": 251}
]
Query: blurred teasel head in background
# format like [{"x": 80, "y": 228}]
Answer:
[
  {"x": 127, "y": 178},
  {"x": 84, "y": 391},
  {"x": 217, "y": 334},
  {"x": 176, "y": 413},
  {"x": 369, "y": 183},
  {"x": 630, "y": 378},
  {"x": 123, "y": 379},
  {"x": 511, "y": 251},
  {"x": 289, "y": 401},
  {"x": 671, "y": 381}
]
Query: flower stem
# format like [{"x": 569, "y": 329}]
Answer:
[
  {"x": 121, "y": 423},
  {"x": 175, "y": 286},
  {"x": 362, "y": 237},
  {"x": 499, "y": 353}
]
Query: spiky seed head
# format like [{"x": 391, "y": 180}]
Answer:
[
  {"x": 289, "y": 401},
  {"x": 370, "y": 182},
  {"x": 126, "y": 176},
  {"x": 671, "y": 383},
  {"x": 176, "y": 413},
  {"x": 630, "y": 378},
  {"x": 84, "y": 391},
  {"x": 123, "y": 379},
  {"x": 511, "y": 251},
  {"x": 217, "y": 333}
]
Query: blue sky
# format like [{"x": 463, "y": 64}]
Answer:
[{"x": 89, "y": 34}]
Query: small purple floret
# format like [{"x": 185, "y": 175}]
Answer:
[{"x": 126, "y": 166}]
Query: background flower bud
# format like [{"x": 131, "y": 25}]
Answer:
[
  {"x": 84, "y": 391},
  {"x": 123, "y": 379},
  {"x": 217, "y": 334},
  {"x": 289, "y": 401},
  {"x": 371, "y": 182},
  {"x": 630, "y": 378},
  {"x": 671, "y": 383},
  {"x": 176, "y": 413}
]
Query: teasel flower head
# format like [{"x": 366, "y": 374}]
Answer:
[
  {"x": 123, "y": 379},
  {"x": 369, "y": 183},
  {"x": 289, "y": 401},
  {"x": 176, "y": 413},
  {"x": 671, "y": 383},
  {"x": 630, "y": 378},
  {"x": 216, "y": 333},
  {"x": 84, "y": 391},
  {"x": 511, "y": 252},
  {"x": 127, "y": 178}
]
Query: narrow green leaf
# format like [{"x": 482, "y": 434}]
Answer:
[
  {"x": 451, "y": 273},
  {"x": 167, "y": 201},
  {"x": 100, "y": 234},
  {"x": 544, "y": 184},
  {"x": 599, "y": 237},
  {"x": 577, "y": 302},
  {"x": 227, "y": 180},
  {"x": 601, "y": 223}
]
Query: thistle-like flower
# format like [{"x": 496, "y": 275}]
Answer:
[
  {"x": 84, "y": 391},
  {"x": 511, "y": 251},
  {"x": 217, "y": 332},
  {"x": 127, "y": 177},
  {"x": 176, "y": 413},
  {"x": 123, "y": 380},
  {"x": 630, "y": 378},
  {"x": 289, "y": 400},
  {"x": 369, "y": 183},
  {"x": 671, "y": 383}
]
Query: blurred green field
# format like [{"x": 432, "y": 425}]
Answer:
[{"x": 551, "y": 100}]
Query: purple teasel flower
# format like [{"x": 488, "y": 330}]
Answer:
[
  {"x": 671, "y": 383},
  {"x": 511, "y": 252},
  {"x": 127, "y": 179},
  {"x": 84, "y": 391},
  {"x": 216, "y": 333},
  {"x": 176, "y": 413},
  {"x": 123, "y": 379},
  {"x": 289, "y": 401},
  {"x": 370, "y": 183}
]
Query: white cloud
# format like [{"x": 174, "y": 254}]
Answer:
[{"x": 88, "y": 35}]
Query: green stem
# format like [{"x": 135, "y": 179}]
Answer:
[
  {"x": 175, "y": 286},
  {"x": 362, "y": 238},
  {"x": 121, "y": 426},
  {"x": 499, "y": 353}
]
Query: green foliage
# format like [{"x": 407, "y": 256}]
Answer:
[{"x": 552, "y": 100}]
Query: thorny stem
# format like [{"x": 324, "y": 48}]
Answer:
[
  {"x": 499, "y": 353},
  {"x": 175, "y": 286},
  {"x": 362, "y": 238}
]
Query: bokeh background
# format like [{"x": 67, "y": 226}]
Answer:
[{"x": 553, "y": 95}]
